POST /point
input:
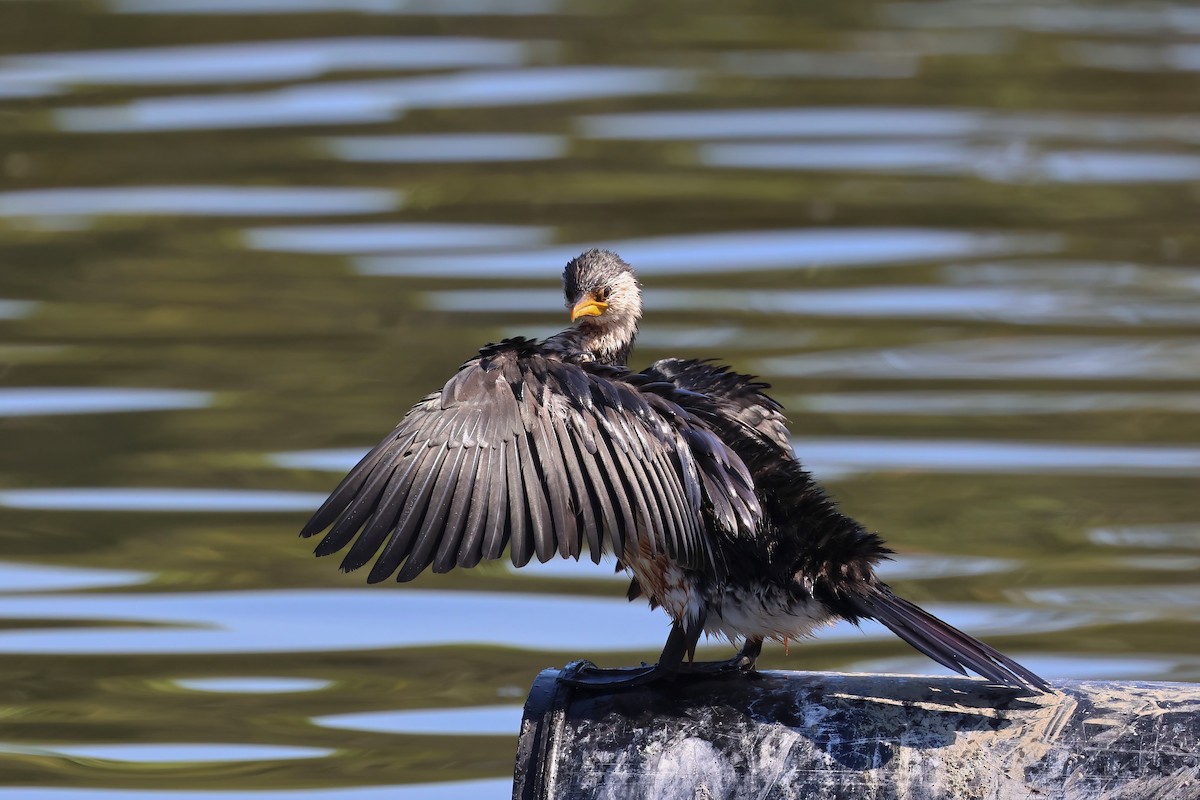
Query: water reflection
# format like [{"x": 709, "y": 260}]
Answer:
[
  {"x": 40, "y": 401},
  {"x": 1092, "y": 276},
  {"x": 349, "y": 619},
  {"x": 1128, "y": 20},
  {"x": 392, "y": 237},
  {"x": 1128, "y": 57},
  {"x": 159, "y": 500},
  {"x": 257, "y": 685},
  {"x": 497, "y": 789},
  {"x": 1025, "y": 458},
  {"x": 44, "y": 578},
  {"x": 730, "y": 251},
  {"x": 526, "y": 140},
  {"x": 1162, "y": 601},
  {"x": 979, "y": 403},
  {"x": 332, "y": 460},
  {"x": 16, "y": 309},
  {"x": 474, "y": 721},
  {"x": 364, "y": 101},
  {"x": 1049, "y": 665},
  {"x": 451, "y": 148},
  {"x": 191, "y": 753},
  {"x": 1051, "y": 357},
  {"x": 946, "y": 125},
  {"x": 1165, "y": 536},
  {"x": 204, "y": 201},
  {"x": 820, "y": 64},
  {"x": 1023, "y": 305},
  {"x": 464, "y": 7},
  {"x": 245, "y": 62},
  {"x": 1012, "y": 163}
]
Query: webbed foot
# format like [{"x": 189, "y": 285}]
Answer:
[
  {"x": 586, "y": 675},
  {"x": 744, "y": 661}
]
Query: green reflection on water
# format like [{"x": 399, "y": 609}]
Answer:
[{"x": 300, "y": 352}]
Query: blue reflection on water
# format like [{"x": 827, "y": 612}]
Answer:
[
  {"x": 158, "y": 500},
  {"x": 1050, "y": 357},
  {"x": 492, "y": 789},
  {"x": 875, "y": 121},
  {"x": 1050, "y": 666},
  {"x": 457, "y": 148},
  {"x": 722, "y": 252},
  {"x": 1016, "y": 305},
  {"x": 1185, "y": 535},
  {"x": 959, "y": 455},
  {"x": 16, "y": 577},
  {"x": 246, "y": 62},
  {"x": 16, "y": 309},
  {"x": 457, "y": 7},
  {"x": 393, "y": 237},
  {"x": 39, "y": 401},
  {"x": 1164, "y": 601},
  {"x": 993, "y": 163},
  {"x": 333, "y": 103},
  {"x": 980, "y": 403},
  {"x": 284, "y": 621},
  {"x": 476, "y": 720},
  {"x": 189, "y": 753},
  {"x": 1093, "y": 274},
  {"x": 255, "y": 685},
  {"x": 206, "y": 201},
  {"x": 1125, "y": 19},
  {"x": 331, "y": 460}
]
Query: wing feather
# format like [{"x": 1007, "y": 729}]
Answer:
[
  {"x": 383, "y": 521},
  {"x": 520, "y": 546},
  {"x": 460, "y": 510},
  {"x": 436, "y": 523},
  {"x": 499, "y": 527},
  {"x": 399, "y": 546},
  {"x": 470, "y": 550},
  {"x": 525, "y": 451}
]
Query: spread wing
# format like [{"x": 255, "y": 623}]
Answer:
[
  {"x": 739, "y": 398},
  {"x": 523, "y": 450}
]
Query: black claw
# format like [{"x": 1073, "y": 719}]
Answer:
[{"x": 731, "y": 666}]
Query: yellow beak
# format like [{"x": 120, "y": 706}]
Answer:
[{"x": 588, "y": 307}]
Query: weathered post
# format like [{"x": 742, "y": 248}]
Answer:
[{"x": 785, "y": 735}]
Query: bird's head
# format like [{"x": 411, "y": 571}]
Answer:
[{"x": 605, "y": 303}]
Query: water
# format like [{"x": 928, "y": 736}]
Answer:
[{"x": 240, "y": 237}]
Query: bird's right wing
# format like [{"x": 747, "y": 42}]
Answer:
[{"x": 523, "y": 450}]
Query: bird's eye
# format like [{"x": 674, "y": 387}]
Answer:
[{"x": 601, "y": 295}]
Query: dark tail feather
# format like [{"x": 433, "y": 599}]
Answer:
[{"x": 944, "y": 643}]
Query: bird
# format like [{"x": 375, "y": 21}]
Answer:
[{"x": 684, "y": 471}]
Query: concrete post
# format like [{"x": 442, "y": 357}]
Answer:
[{"x": 785, "y": 735}]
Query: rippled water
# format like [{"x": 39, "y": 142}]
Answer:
[{"x": 239, "y": 237}]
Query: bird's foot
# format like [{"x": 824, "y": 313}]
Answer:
[
  {"x": 586, "y": 675},
  {"x": 711, "y": 669}
]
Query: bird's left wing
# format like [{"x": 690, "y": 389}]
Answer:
[
  {"x": 523, "y": 450},
  {"x": 741, "y": 400}
]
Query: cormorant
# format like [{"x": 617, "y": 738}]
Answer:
[{"x": 684, "y": 471}]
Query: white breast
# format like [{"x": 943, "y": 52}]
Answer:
[{"x": 770, "y": 614}]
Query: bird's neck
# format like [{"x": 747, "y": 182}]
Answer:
[{"x": 595, "y": 343}]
